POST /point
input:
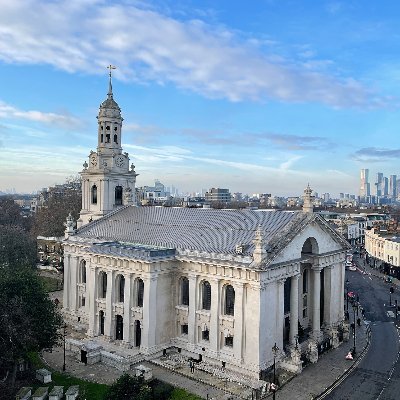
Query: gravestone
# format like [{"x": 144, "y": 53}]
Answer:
[
  {"x": 24, "y": 393},
  {"x": 57, "y": 393},
  {"x": 40, "y": 393},
  {"x": 72, "y": 393},
  {"x": 43, "y": 375}
]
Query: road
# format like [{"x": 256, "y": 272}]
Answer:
[{"x": 378, "y": 374}]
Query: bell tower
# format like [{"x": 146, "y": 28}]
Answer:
[{"x": 108, "y": 182}]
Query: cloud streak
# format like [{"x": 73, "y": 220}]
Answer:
[
  {"x": 149, "y": 46},
  {"x": 61, "y": 120},
  {"x": 375, "y": 154}
]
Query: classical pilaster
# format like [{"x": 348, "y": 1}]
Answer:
[
  {"x": 316, "y": 321},
  {"x": 193, "y": 290},
  {"x": 127, "y": 308},
  {"x": 280, "y": 312},
  {"x": 215, "y": 310},
  {"x": 66, "y": 282},
  {"x": 92, "y": 298},
  {"x": 294, "y": 308},
  {"x": 341, "y": 297},
  {"x": 239, "y": 318},
  {"x": 149, "y": 312},
  {"x": 109, "y": 317},
  {"x": 73, "y": 293}
]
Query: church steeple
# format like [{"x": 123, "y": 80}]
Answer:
[
  {"x": 107, "y": 181},
  {"x": 110, "y": 123}
]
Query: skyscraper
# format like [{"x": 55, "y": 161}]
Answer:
[
  {"x": 393, "y": 186},
  {"x": 364, "y": 184},
  {"x": 379, "y": 183}
]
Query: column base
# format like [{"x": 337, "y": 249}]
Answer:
[{"x": 313, "y": 351}]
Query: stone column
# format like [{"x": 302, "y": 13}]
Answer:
[
  {"x": 66, "y": 282},
  {"x": 294, "y": 308},
  {"x": 215, "y": 310},
  {"x": 316, "y": 322},
  {"x": 149, "y": 313},
  {"x": 127, "y": 309},
  {"x": 342, "y": 288},
  {"x": 92, "y": 292},
  {"x": 280, "y": 313},
  {"x": 239, "y": 318},
  {"x": 193, "y": 289},
  {"x": 109, "y": 317},
  {"x": 328, "y": 298}
]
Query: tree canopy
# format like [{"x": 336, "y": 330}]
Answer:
[
  {"x": 128, "y": 387},
  {"x": 29, "y": 320}
]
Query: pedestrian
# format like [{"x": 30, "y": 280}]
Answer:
[{"x": 191, "y": 364}]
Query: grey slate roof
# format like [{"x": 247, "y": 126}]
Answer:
[{"x": 208, "y": 230}]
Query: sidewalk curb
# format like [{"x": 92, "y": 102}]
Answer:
[{"x": 341, "y": 378}]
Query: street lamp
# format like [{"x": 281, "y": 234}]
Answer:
[
  {"x": 275, "y": 351},
  {"x": 347, "y": 295},
  {"x": 64, "y": 335},
  {"x": 355, "y": 309}
]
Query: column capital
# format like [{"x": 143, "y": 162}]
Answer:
[
  {"x": 295, "y": 277},
  {"x": 281, "y": 281},
  {"x": 317, "y": 268}
]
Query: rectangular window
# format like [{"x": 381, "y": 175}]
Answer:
[
  {"x": 184, "y": 329},
  {"x": 229, "y": 341},
  {"x": 205, "y": 335}
]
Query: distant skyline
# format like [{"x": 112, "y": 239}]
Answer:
[{"x": 260, "y": 97}]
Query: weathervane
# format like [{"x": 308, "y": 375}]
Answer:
[{"x": 110, "y": 95}]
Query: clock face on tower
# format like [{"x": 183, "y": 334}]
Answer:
[
  {"x": 93, "y": 160},
  {"x": 120, "y": 161}
]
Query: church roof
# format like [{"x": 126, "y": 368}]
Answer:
[{"x": 203, "y": 230}]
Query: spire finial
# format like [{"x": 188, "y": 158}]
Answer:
[{"x": 110, "y": 93}]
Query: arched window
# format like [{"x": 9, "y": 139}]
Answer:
[
  {"x": 139, "y": 292},
  {"x": 118, "y": 195},
  {"x": 102, "y": 138},
  {"x": 229, "y": 300},
  {"x": 121, "y": 288},
  {"x": 184, "y": 291},
  {"x": 305, "y": 281},
  {"x": 206, "y": 296},
  {"x": 94, "y": 194},
  {"x": 116, "y": 139},
  {"x": 82, "y": 272},
  {"x": 103, "y": 285}
]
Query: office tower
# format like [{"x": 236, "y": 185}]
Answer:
[
  {"x": 393, "y": 186},
  {"x": 385, "y": 188},
  {"x": 364, "y": 184},
  {"x": 379, "y": 184}
]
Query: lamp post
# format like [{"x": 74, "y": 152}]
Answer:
[
  {"x": 355, "y": 309},
  {"x": 347, "y": 295},
  {"x": 64, "y": 334},
  {"x": 275, "y": 351}
]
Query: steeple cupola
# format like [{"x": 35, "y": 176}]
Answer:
[{"x": 109, "y": 123}]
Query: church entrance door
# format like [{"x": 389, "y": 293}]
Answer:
[{"x": 119, "y": 327}]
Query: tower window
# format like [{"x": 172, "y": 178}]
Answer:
[
  {"x": 94, "y": 194},
  {"x": 102, "y": 127},
  {"x": 108, "y": 127},
  {"x": 102, "y": 138},
  {"x": 116, "y": 139},
  {"x": 108, "y": 138},
  {"x": 115, "y": 128},
  {"x": 118, "y": 195}
]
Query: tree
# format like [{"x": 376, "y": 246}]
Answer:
[
  {"x": 49, "y": 220},
  {"x": 17, "y": 247},
  {"x": 128, "y": 387},
  {"x": 29, "y": 320}
]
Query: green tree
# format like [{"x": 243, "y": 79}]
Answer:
[
  {"x": 29, "y": 320},
  {"x": 17, "y": 247},
  {"x": 49, "y": 220},
  {"x": 128, "y": 387}
]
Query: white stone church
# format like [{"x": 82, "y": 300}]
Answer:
[{"x": 222, "y": 286}]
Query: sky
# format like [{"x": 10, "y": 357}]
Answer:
[{"x": 255, "y": 96}]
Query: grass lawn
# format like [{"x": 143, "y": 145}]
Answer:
[
  {"x": 50, "y": 284},
  {"x": 180, "y": 394}
]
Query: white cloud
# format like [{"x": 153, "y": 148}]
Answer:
[
  {"x": 77, "y": 35},
  {"x": 64, "y": 120}
]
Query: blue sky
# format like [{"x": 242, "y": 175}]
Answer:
[{"x": 260, "y": 97}]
